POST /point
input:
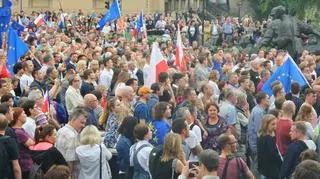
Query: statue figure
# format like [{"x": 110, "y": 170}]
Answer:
[{"x": 285, "y": 32}]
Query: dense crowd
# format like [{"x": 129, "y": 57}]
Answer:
[{"x": 76, "y": 105}]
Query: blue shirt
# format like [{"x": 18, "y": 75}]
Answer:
[
  {"x": 91, "y": 120},
  {"x": 254, "y": 125},
  {"x": 141, "y": 111},
  {"x": 159, "y": 130},
  {"x": 228, "y": 112},
  {"x": 217, "y": 66}
]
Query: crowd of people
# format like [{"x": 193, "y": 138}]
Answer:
[{"x": 76, "y": 105}]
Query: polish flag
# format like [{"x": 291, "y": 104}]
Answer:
[
  {"x": 39, "y": 20},
  {"x": 180, "y": 61},
  {"x": 157, "y": 65},
  {"x": 46, "y": 105}
]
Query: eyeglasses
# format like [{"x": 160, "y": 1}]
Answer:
[{"x": 231, "y": 143}]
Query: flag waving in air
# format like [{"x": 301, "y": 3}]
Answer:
[
  {"x": 16, "y": 48},
  {"x": 61, "y": 21},
  {"x": 39, "y": 20},
  {"x": 111, "y": 15},
  {"x": 286, "y": 73},
  {"x": 140, "y": 31},
  {"x": 180, "y": 59},
  {"x": 157, "y": 65},
  {"x": 46, "y": 105}
]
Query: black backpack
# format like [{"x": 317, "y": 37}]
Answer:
[
  {"x": 154, "y": 160},
  {"x": 4, "y": 157}
]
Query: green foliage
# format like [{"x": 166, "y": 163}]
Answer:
[{"x": 299, "y": 8}]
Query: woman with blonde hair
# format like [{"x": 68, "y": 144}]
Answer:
[
  {"x": 171, "y": 160},
  {"x": 81, "y": 67},
  {"x": 110, "y": 119},
  {"x": 305, "y": 114},
  {"x": 269, "y": 160},
  {"x": 93, "y": 155}
]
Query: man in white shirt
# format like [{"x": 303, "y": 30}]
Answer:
[
  {"x": 31, "y": 110},
  {"x": 107, "y": 73},
  {"x": 27, "y": 78},
  {"x": 73, "y": 96},
  {"x": 68, "y": 139},
  {"x": 161, "y": 24}
]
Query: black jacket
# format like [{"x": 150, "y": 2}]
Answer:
[
  {"x": 48, "y": 158},
  {"x": 292, "y": 158},
  {"x": 269, "y": 161}
]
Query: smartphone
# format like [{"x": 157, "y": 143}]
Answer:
[
  {"x": 192, "y": 170},
  {"x": 193, "y": 164}
]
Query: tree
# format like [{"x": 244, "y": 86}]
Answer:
[{"x": 299, "y": 8}]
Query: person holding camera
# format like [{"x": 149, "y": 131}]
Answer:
[{"x": 207, "y": 167}]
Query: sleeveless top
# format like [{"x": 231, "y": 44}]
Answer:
[{"x": 167, "y": 170}]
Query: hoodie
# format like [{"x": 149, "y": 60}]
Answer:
[{"x": 89, "y": 157}]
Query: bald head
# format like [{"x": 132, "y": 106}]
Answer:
[
  {"x": 90, "y": 101},
  {"x": 288, "y": 108},
  {"x": 125, "y": 93}
]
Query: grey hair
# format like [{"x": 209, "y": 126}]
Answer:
[
  {"x": 35, "y": 95},
  {"x": 241, "y": 97},
  {"x": 181, "y": 113},
  {"x": 210, "y": 159},
  {"x": 79, "y": 111}
]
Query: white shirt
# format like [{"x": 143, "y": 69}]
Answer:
[
  {"x": 30, "y": 126},
  {"x": 106, "y": 77},
  {"x": 197, "y": 131},
  {"x": 68, "y": 139},
  {"x": 192, "y": 141},
  {"x": 25, "y": 82},
  {"x": 142, "y": 155},
  {"x": 73, "y": 99}
]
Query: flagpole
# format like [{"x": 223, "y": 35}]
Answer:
[{"x": 4, "y": 49}]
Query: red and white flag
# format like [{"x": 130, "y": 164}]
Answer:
[
  {"x": 180, "y": 61},
  {"x": 46, "y": 105},
  {"x": 157, "y": 65},
  {"x": 140, "y": 28},
  {"x": 39, "y": 20}
]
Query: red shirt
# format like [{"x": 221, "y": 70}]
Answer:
[
  {"x": 259, "y": 87},
  {"x": 282, "y": 134},
  {"x": 232, "y": 170},
  {"x": 4, "y": 72}
]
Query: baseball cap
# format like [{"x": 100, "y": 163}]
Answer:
[
  {"x": 144, "y": 90},
  {"x": 155, "y": 87}
]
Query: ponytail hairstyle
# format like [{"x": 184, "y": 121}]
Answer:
[{"x": 43, "y": 131}]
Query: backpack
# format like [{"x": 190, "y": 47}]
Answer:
[
  {"x": 239, "y": 165},
  {"x": 154, "y": 160},
  {"x": 4, "y": 157},
  {"x": 36, "y": 172},
  {"x": 62, "y": 115}
]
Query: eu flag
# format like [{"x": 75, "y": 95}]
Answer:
[
  {"x": 111, "y": 15},
  {"x": 140, "y": 22},
  {"x": 286, "y": 73},
  {"x": 5, "y": 15},
  {"x": 17, "y": 26},
  {"x": 16, "y": 48}
]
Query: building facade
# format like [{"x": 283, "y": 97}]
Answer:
[{"x": 87, "y": 6}]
